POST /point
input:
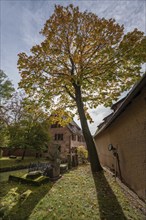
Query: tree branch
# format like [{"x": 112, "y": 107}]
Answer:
[{"x": 70, "y": 94}]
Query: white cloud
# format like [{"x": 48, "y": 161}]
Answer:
[
  {"x": 31, "y": 27},
  {"x": 97, "y": 114}
]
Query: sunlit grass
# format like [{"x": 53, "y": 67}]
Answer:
[
  {"x": 4, "y": 176},
  {"x": 18, "y": 200},
  {"x": 12, "y": 198},
  {"x": 75, "y": 197}
]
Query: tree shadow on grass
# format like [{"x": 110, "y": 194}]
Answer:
[
  {"x": 109, "y": 206},
  {"x": 24, "y": 206}
]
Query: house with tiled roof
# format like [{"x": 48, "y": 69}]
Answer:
[{"x": 121, "y": 139}]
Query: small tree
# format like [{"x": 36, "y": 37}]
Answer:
[
  {"x": 29, "y": 135},
  {"x": 6, "y": 87},
  {"x": 27, "y": 126},
  {"x": 83, "y": 61},
  {"x": 82, "y": 154},
  {"x": 6, "y": 91}
]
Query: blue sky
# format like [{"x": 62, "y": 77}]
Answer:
[{"x": 21, "y": 21}]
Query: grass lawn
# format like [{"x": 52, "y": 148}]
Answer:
[
  {"x": 17, "y": 201},
  {"x": 4, "y": 176},
  {"x": 8, "y": 162},
  {"x": 76, "y": 196}
]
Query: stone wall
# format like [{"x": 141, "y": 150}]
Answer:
[{"x": 6, "y": 152}]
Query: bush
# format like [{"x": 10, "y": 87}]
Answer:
[{"x": 82, "y": 154}]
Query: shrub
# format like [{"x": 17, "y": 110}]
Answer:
[{"x": 82, "y": 154}]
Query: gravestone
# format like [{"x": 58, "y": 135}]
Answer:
[
  {"x": 51, "y": 169},
  {"x": 34, "y": 174},
  {"x": 55, "y": 161},
  {"x": 44, "y": 168}
]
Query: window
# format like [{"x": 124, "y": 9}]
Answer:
[
  {"x": 56, "y": 125},
  {"x": 53, "y": 126},
  {"x": 73, "y": 137},
  {"x": 58, "y": 137},
  {"x": 81, "y": 139}
]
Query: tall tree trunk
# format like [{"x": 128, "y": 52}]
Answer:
[{"x": 93, "y": 156}]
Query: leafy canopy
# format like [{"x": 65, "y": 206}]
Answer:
[
  {"x": 29, "y": 126},
  {"x": 6, "y": 87},
  {"x": 6, "y": 90},
  {"x": 23, "y": 124},
  {"x": 27, "y": 134},
  {"x": 84, "y": 50}
]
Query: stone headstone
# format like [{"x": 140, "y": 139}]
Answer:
[{"x": 34, "y": 174}]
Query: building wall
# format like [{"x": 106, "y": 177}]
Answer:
[
  {"x": 67, "y": 143},
  {"x": 76, "y": 143},
  {"x": 128, "y": 134}
]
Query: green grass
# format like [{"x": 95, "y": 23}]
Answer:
[
  {"x": 76, "y": 196},
  {"x": 79, "y": 196},
  {"x": 18, "y": 200},
  {"x": 7, "y": 162},
  {"x": 37, "y": 181},
  {"x": 4, "y": 176}
]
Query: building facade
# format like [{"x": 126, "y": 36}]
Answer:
[
  {"x": 68, "y": 138},
  {"x": 125, "y": 132}
]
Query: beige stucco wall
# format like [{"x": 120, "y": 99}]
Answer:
[{"x": 128, "y": 134}]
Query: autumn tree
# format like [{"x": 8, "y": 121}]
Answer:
[
  {"x": 29, "y": 134},
  {"x": 6, "y": 91},
  {"x": 6, "y": 87},
  {"x": 83, "y": 61},
  {"x": 27, "y": 125}
]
